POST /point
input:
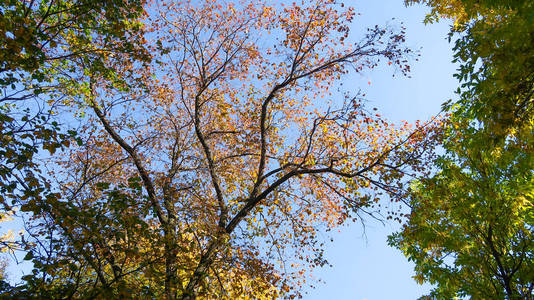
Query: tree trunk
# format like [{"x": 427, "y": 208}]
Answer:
[{"x": 206, "y": 260}]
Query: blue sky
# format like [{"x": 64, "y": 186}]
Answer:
[{"x": 364, "y": 266}]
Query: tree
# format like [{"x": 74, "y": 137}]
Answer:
[
  {"x": 470, "y": 229},
  {"x": 212, "y": 171},
  {"x": 493, "y": 47},
  {"x": 37, "y": 38}
]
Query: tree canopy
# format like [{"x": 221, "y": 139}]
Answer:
[
  {"x": 195, "y": 149},
  {"x": 470, "y": 231},
  {"x": 39, "y": 38}
]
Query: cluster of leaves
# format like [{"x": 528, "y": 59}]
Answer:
[
  {"x": 36, "y": 32},
  {"x": 20, "y": 143},
  {"x": 471, "y": 228},
  {"x": 36, "y": 38}
]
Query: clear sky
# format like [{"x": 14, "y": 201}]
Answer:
[{"x": 365, "y": 267}]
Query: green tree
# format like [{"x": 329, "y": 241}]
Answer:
[
  {"x": 38, "y": 38},
  {"x": 470, "y": 231},
  {"x": 493, "y": 46},
  {"x": 41, "y": 44}
]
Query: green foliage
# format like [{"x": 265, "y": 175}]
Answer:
[
  {"x": 36, "y": 38},
  {"x": 493, "y": 46},
  {"x": 470, "y": 232},
  {"x": 499, "y": 93},
  {"x": 35, "y": 32},
  {"x": 42, "y": 44},
  {"x": 19, "y": 175}
]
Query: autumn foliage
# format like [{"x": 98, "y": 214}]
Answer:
[{"x": 212, "y": 168}]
